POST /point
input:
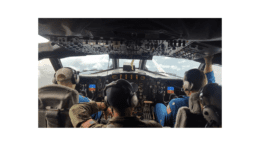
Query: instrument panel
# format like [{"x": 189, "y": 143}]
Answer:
[{"x": 149, "y": 88}]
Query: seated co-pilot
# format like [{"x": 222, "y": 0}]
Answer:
[{"x": 68, "y": 77}]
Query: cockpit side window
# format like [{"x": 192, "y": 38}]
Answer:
[
  {"x": 45, "y": 72},
  {"x": 171, "y": 65},
  {"x": 88, "y": 64},
  {"x": 217, "y": 69}
]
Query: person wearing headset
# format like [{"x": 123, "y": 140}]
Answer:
[
  {"x": 211, "y": 104},
  {"x": 121, "y": 97},
  {"x": 193, "y": 81},
  {"x": 69, "y": 77}
]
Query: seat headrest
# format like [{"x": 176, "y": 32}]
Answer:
[
  {"x": 57, "y": 97},
  {"x": 194, "y": 103}
]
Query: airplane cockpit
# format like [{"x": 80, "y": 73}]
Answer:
[{"x": 153, "y": 54}]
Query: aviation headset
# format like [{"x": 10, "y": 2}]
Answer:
[
  {"x": 187, "y": 85},
  {"x": 74, "y": 78},
  {"x": 210, "y": 112},
  {"x": 127, "y": 87}
]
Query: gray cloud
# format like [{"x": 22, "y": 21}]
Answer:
[{"x": 45, "y": 73}]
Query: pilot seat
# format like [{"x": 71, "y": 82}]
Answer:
[
  {"x": 191, "y": 116},
  {"x": 54, "y": 102}
]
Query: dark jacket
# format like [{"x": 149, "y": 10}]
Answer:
[{"x": 79, "y": 113}]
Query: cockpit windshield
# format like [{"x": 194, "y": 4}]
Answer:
[
  {"x": 136, "y": 62},
  {"x": 95, "y": 63}
]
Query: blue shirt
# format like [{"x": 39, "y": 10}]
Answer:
[
  {"x": 95, "y": 116},
  {"x": 175, "y": 104},
  {"x": 83, "y": 99},
  {"x": 210, "y": 77},
  {"x": 169, "y": 119}
]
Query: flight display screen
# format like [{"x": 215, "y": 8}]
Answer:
[
  {"x": 92, "y": 87},
  {"x": 170, "y": 90}
]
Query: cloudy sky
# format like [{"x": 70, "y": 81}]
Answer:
[
  {"x": 45, "y": 72},
  {"x": 81, "y": 63}
]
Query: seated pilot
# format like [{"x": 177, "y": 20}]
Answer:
[
  {"x": 68, "y": 77},
  {"x": 204, "y": 108},
  {"x": 120, "y": 95},
  {"x": 193, "y": 81}
]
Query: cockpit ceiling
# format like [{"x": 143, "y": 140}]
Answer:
[
  {"x": 132, "y": 38},
  {"x": 154, "y": 29}
]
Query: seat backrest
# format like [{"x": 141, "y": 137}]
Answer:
[
  {"x": 194, "y": 103},
  {"x": 190, "y": 116},
  {"x": 54, "y": 102},
  {"x": 181, "y": 117},
  {"x": 185, "y": 118}
]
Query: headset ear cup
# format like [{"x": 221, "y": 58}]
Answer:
[
  {"x": 134, "y": 100},
  {"x": 187, "y": 85},
  {"x": 73, "y": 81},
  {"x": 211, "y": 115},
  {"x": 77, "y": 79},
  {"x": 105, "y": 100},
  {"x": 54, "y": 81}
]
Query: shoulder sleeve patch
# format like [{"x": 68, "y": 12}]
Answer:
[
  {"x": 88, "y": 123},
  {"x": 169, "y": 109}
]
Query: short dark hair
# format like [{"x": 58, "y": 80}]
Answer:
[
  {"x": 124, "y": 111},
  {"x": 117, "y": 98},
  {"x": 196, "y": 77},
  {"x": 119, "y": 94},
  {"x": 212, "y": 95}
]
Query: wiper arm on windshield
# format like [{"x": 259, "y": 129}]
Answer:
[
  {"x": 98, "y": 71},
  {"x": 90, "y": 70},
  {"x": 161, "y": 73}
]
